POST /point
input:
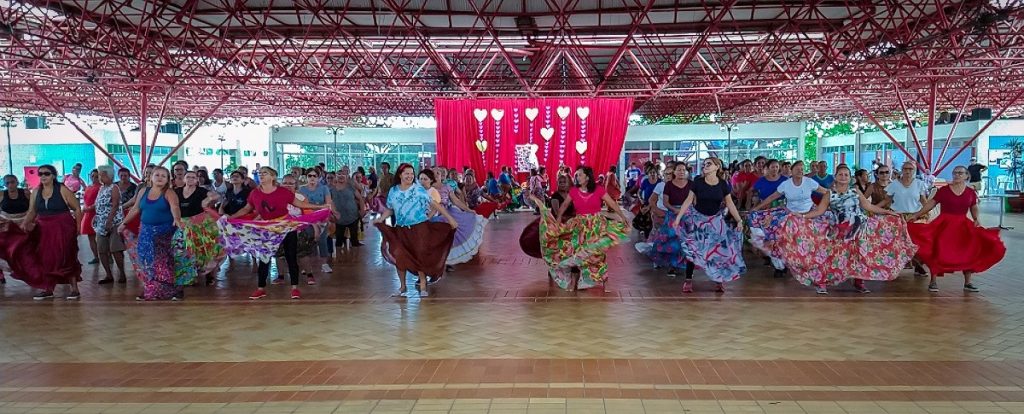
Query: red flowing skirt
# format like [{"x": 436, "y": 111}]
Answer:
[
  {"x": 420, "y": 248},
  {"x": 953, "y": 243},
  {"x": 487, "y": 208},
  {"x": 45, "y": 257}
]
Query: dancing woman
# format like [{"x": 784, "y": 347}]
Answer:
[
  {"x": 708, "y": 241},
  {"x": 158, "y": 208},
  {"x": 470, "y": 233},
  {"x": 907, "y": 196},
  {"x": 89, "y": 212},
  {"x": 14, "y": 204},
  {"x": 270, "y": 202},
  {"x": 862, "y": 246},
  {"x": 766, "y": 226},
  {"x": 575, "y": 250},
  {"x": 667, "y": 244},
  {"x": 952, "y": 242},
  {"x": 195, "y": 244},
  {"x": 416, "y": 244},
  {"x": 50, "y": 256},
  {"x": 237, "y": 195}
]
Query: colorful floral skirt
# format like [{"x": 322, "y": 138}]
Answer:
[
  {"x": 468, "y": 237},
  {"x": 423, "y": 247},
  {"x": 45, "y": 257},
  {"x": 765, "y": 226},
  {"x": 803, "y": 245},
  {"x": 876, "y": 250},
  {"x": 154, "y": 259},
  {"x": 953, "y": 243},
  {"x": 714, "y": 245},
  {"x": 667, "y": 245},
  {"x": 197, "y": 249},
  {"x": 579, "y": 243},
  {"x": 261, "y": 239}
]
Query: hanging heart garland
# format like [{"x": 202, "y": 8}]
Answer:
[
  {"x": 497, "y": 114},
  {"x": 562, "y": 133},
  {"x": 531, "y": 114},
  {"x": 515, "y": 121},
  {"x": 481, "y": 143},
  {"x": 583, "y": 112},
  {"x": 547, "y": 125}
]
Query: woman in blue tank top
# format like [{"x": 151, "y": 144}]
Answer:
[{"x": 153, "y": 252}]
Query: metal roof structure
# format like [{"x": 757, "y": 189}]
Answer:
[{"x": 336, "y": 59}]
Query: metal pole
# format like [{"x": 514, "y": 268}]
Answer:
[
  {"x": 729, "y": 151},
  {"x": 335, "y": 160},
  {"x": 10, "y": 151},
  {"x": 221, "y": 139}
]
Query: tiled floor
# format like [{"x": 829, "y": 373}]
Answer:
[{"x": 495, "y": 337}]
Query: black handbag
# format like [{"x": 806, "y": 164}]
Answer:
[{"x": 642, "y": 221}]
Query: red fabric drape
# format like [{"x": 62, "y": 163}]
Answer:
[{"x": 458, "y": 132}]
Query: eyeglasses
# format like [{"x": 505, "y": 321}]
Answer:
[
  {"x": 45, "y": 174},
  {"x": 312, "y": 175},
  {"x": 883, "y": 172}
]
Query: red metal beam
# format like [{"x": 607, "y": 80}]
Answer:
[
  {"x": 952, "y": 129},
  {"x": 970, "y": 142},
  {"x": 193, "y": 130},
  {"x": 911, "y": 127},
  {"x": 931, "y": 122},
  {"x": 124, "y": 139},
  {"x": 878, "y": 124}
]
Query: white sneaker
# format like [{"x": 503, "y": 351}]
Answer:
[{"x": 326, "y": 268}]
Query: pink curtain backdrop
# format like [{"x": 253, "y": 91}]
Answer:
[{"x": 458, "y": 132}]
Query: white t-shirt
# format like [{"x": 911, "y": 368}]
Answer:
[
  {"x": 798, "y": 198},
  {"x": 907, "y": 199},
  {"x": 659, "y": 189}
]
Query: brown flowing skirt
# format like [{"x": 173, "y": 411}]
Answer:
[{"x": 420, "y": 248}]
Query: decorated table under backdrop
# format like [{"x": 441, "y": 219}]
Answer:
[{"x": 487, "y": 134}]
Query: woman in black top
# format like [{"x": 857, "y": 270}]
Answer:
[
  {"x": 237, "y": 194},
  {"x": 14, "y": 200},
  {"x": 710, "y": 242},
  {"x": 196, "y": 241},
  {"x": 50, "y": 257},
  {"x": 191, "y": 196}
]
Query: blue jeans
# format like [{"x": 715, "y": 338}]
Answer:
[{"x": 323, "y": 246}]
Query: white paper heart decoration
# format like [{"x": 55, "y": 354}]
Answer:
[
  {"x": 531, "y": 113},
  {"x": 481, "y": 146},
  {"x": 547, "y": 133},
  {"x": 563, "y": 112},
  {"x": 583, "y": 112},
  {"x": 497, "y": 114},
  {"x": 480, "y": 114},
  {"x": 581, "y": 147}
]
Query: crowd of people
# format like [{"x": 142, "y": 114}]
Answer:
[{"x": 178, "y": 226}]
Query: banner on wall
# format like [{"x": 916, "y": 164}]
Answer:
[{"x": 488, "y": 135}]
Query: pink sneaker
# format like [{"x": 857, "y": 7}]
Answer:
[
  {"x": 687, "y": 287},
  {"x": 310, "y": 280},
  {"x": 296, "y": 294},
  {"x": 258, "y": 294}
]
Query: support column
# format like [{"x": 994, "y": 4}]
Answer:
[
  {"x": 858, "y": 136},
  {"x": 143, "y": 115}
]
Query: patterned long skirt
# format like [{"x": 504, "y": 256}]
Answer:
[
  {"x": 803, "y": 245},
  {"x": 667, "y": 245},
  {"x": 579, "y": 243},
  {"x": 765, "y": 226},
  {"x": 713, "y": 244},
  {"x": 154, "y": 260},
  {"x": 468, "y": 237},
  {"x": 876, "y": 250},
  {"x": 198, "y": 251}
]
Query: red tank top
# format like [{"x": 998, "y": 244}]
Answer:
[{"x": 587, "y": 203}]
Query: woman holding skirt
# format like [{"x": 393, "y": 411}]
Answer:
[
  {"x": 416, "y": 244},
  {"x": 470, "y": 233},
  {"x": 952, "y": 242},
  {"x": 708, "y": 241},
  {"x": 767, "y": 227},
  {"x": 575, "y": 250},
  {"x": 666, "y": 243},
  {"x": 859, "y": 246},
  {"x": 160, "y": 218},
  {"x": 195, "y": 243},
  {"x": 43, "y": 252}
]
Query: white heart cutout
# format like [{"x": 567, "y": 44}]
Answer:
[
  {"x": 583, "y": 112},
  {"x": 547, "y": 133},
  {"x": 531, "y": 113},
  {"x": 481, "y": 146},
  {"x": 497, "y": 114},
  {"x": 563, "y": 112},
  {"x": 480, "y": 114},
  {"x": 581, "y": 147}
]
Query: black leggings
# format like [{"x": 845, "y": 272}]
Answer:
[
  {"x": 689, "y": 270},
  {"x": 291, "y": 255},
  {"x": 353, "y": 232}
]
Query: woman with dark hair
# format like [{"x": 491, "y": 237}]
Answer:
[
  {"x": 45, "y": 249},
  {"x": 666, "y": 243},
  {"x": 612, "y": 184},
  {"x": 766, "y": 226},
  {"x": 708, "y": 240},
  {"x": 537, "y": 188},
  {"x": 470, "y": 233},
  {"x": 270, "y": 201},
  {"x": 195, "y": 244},
  {"x": 415, "y": 243},
  {"x": 237, "y": 195},
  {"x": 153, "y": 253},
  {"x": 952, "y": 242},
  {"x": 575, "y": 250},
  {"x": 179, "y": 169},
  {"x": 14, "y": 204}
]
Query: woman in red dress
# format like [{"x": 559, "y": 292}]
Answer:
[
  {"x": 89, "y": 210},
  {"x": 952, "y": 242}
]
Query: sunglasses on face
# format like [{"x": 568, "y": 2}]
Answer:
[
  {"x": 45, "y": 174},
  {"x": 882, "y": 172},
  {"x": 312, "y": 176}
]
